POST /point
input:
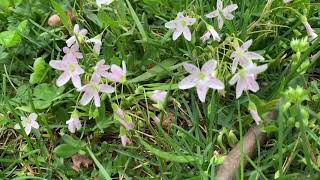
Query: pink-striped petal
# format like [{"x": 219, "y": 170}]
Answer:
[
  {"x": 188, "y": 82},
  {"x": 63, "y": 79},
  {"x": 202, "y": 90}
]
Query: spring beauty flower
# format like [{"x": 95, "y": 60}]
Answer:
[
  {"x": 211, "y": 32},
  {"x": 28, "y": 123},
  {"x": 221, "y": 12},
  {"x": 246, "y": 78},
  {"x": 72, "y": 53},
  {"x": 96, "y": 41},
  {"x": 254, "y": 113},
  {"x": 243, "y": 56},
  {"x": 117, "y": 74},
  {"x": 158, "y": 96},
  {"x": 92, "y": 90},
  {"x": 201, "y": 79},
  {"x": 311, "y": 33},
  {"x": 103, "y": 2},
  {"x": 125, "y": 140},
  {"x": 124, "y": 120},
  {"x": 71, "y": 70},
  {"x": 74, "y": 122},
  {"x": 78, "y": 33},
  {"x": 100, "y": 70},
  {"x": 180, "y": 24}
]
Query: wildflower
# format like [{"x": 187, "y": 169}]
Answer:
[
  {"x": 158, "y": 96},
  {"x": 74, "y": 122},
  {"x": 311, "y": 33},
  {"x": 221, "y": 12},
  {"x": 286, "y": 1},
  {"x": 243, "y": 57},
  {"x": 125, "y": 140},
  {"x": 101, "y": 2},
  {"x": 246, "y": 78},
  {"x": 80, "y": 34},
  {"x": 72, "y": 52},
  {"x": 211, "y": 32},
  {"x": 117, "y": 74},
  {"x": 124, "y": 120},
  {"x": 71, "y": 70},
  {"x": 180, "y": 24},
  {"x": 101, "y": 69},
  {"x": 28, "y": 123},
  {"x": 92, "y": 89},
  {"x": 202, "y": 80},
  {"x": 156, "y": 119},
  {"x": 254, "y": 113},
  {"x": 96, "y": 43}
]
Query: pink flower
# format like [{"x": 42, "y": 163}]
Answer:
[
  {"x": 125, "y": 140},
  {"x": 28, "y": 123},
  {"x": 96, "y": 44},
  {"x": 92, "y": 89},
  {"x": 70, "y": 68},
  {"x": 74, "y": 123},
  {"x": 211, "y": 32},
  {"x": 156, "y": 119},
  {"x": 117, "y": 74},
  {"x": 72, "y": 53},
  {"x": 158, "y": 96},
  {"x": 180, "y": 24},
  {"x": 80, "y": 34},
  {"x": 122, "y": 118},
  {"x": 246, "y": 78},
  {"x": 243, "y": 56},
  {"x": 101, "y": 69},
  {"x": 203, "y": 79},
  {"x": 221, "y": 12}
]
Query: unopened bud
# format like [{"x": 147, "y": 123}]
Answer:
[{"x": 54, "y": 20}]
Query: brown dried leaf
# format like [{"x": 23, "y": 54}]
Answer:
[{"x": 78, "y": 160}]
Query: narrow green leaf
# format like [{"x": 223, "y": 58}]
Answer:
[
  {"x": 137, "y": 21},
  {"x": 65, "y": 150}
]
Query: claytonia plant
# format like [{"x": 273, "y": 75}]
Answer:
[
  {"x": 101, "y": 69},
  {"x": 254, "y": 113},
  {"x": 28, "y": 123},
  {"x": 180, "y": 25},
  {"x": 211, "y": 33},
  {"x": 72, "y": 53},
  {"x": 92, "y": 90},
  {"x": 78, "y": 33},
  {"x": 201, "y": 79},
  {"x": 71, "y": 70},
  {"x": 246, "y": 78},
  {"x": 158, "y": 96},
  {"x": 222, "y": 13},
  {"x": 96, "y": 41},
  {"x": 243, "y": 56}
]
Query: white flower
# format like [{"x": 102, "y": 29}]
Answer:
[
  {"x": 180, "y": 24},
  {"x": 203, "y": 79},
  {"x": 243, "y": 56},
  {"x": 28, "y": 123},
  {"x": 158, "y": 96},
  {"x": 80, "y": 34},
  {"x": 246, "y": 78},
  {"x": 311, "y": 33},
  {"x": 101, "y": 2},
  {"x": 117, "y": 74},
  {"x": 211, "y": 32},
  {"x": 255, "y": 116},
  {"x": 96, "y": 43},
  {"x": 221, "y": 12},
  {"x": 125, "y": 140},
  {"x": 286, "y": 1},
  {"x": 74, "y": 123}
]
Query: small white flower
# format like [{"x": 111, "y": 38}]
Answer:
[
  {"x": 125, "y": 140},
  {"x": 246, "y": 78},
  {"x": 158, "y": 96},
  {"x": 211, "y": 32},
  {"x": 180, "y": 24},
  {"x": 221, "y": 12},
  {"x": 78, "y": 33},
  {"x": 74, "y": 123},
  {"x": 103, "y": 2},
  {"x": 28, "y": 123},
  {"x": 96, "y": 41},
  {"x": 311, "y": 33},
  {"x": 202, "y": 79},
  {"x": 243, "y": 56}
]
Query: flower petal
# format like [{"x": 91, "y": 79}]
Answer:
[
  {"x": 254, "y": 69},
  {"x": 202, "y": 90},
  {"x": 215, "y": 83},
  {"x": 86, "y": 98},
  {"x": 34, "y": 124},
  {"x": 63, "y": 79},
  {"x": 228, "y": 10},
  {"x": 190, "y": 68},
  {"x": 17, "y": 126},
  {"x": 76, "y": 28},
  {"x": 27, "y": 128},
  {"x": 209, "y": 67},
  {"x": 240, "y": 87},
  {"x": 220, "y": 22},
  {"x": 205, "y": 37},
  {"x": 245, "y": 46},
  {"x": 212, "y": 14},
  {"x": 106, "y": 88},
  {"x": 76, "y": 81},
  {"x": 83, "y": 32},
  {"x": 255, "y": 116},
  {"x": 96, "y": 99},
  {"x": 234, "y": 79},
  {"x": 253, "y": 55},
  {"x": 57, "y": 64},
  {"x": 187, "y": 33},
  {"x": 188, "y": 82},
  {"x": 176, "y": 34},
  {"x": 190, "y": 21},
  {"x": 219, "y": 4},
  {"x": 71, "y": 41},
  {"x": 33, "y": 116},
  {"x": 171, "y": 24}
]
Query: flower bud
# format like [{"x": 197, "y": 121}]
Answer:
[{"x": 54, "y": 20}]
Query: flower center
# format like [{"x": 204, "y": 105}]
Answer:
[
  {"x": 94, "y": 87},
  {"x": 201, "y": 75},
  {"x": 184, "y": 23},
  {"x": 28, "y": 121},
  {"x": 71, "y": 67}
]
